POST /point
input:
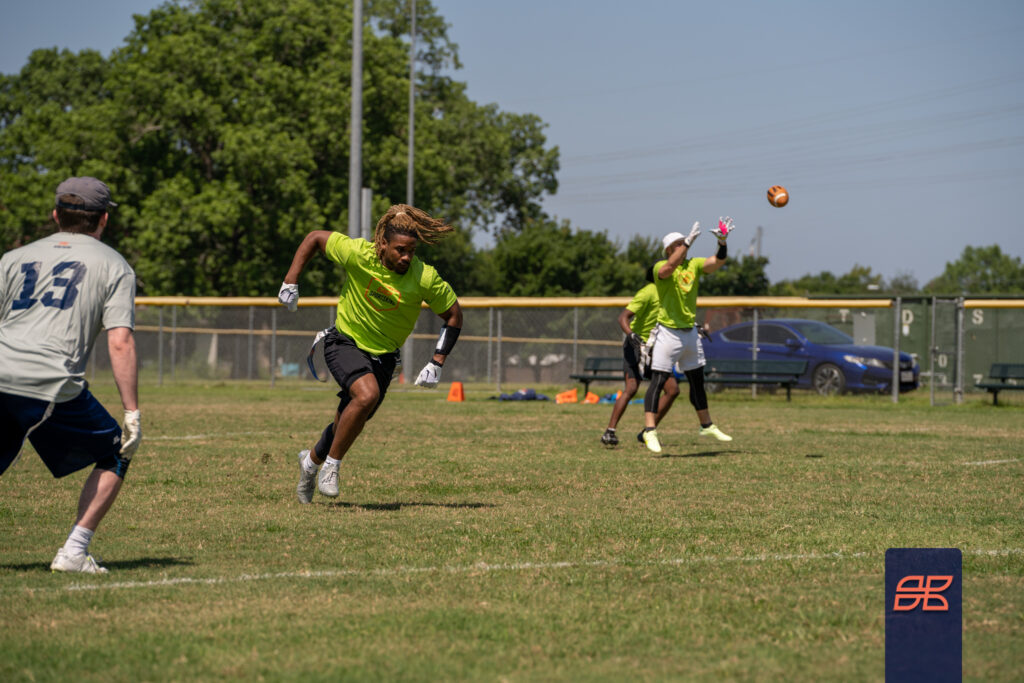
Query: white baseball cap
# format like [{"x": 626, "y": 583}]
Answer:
[{"x": 668, "y": 239}]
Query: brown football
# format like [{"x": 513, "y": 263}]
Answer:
[{"x": 778, "y": 195}]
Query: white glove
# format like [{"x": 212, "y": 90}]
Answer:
[
  {"x": 289, "y": 296},
  {"x": 694, "y": 231},
  {"x": 724, "y": 229},
  {"x": 131, "y": 433},
  {"x": 430, "y": 375}
]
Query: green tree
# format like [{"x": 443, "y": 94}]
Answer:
[
  {"x": 981, "y": 270},
  {"x": 857, "y": 281},
  {"x": 903, "y": 284},
  {"x": 222, "y": 128},
  {"x": 49, "y": 128},
  {"x": 549, "y": 258},
  {"x": 743, "y": 276}
]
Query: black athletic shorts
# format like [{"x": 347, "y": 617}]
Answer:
[
  {"x": 347, "y": 363},
  {"x": 631, "y": 364},
  {"x": 67, "y": 436}
]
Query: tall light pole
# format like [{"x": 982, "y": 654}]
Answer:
[
  {"x": 355, "y": 152},
  {"x": 407, "y": 349},
  {"x": 412, "y": 106}
]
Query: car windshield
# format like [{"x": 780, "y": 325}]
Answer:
[{"x": 820, "y": 333}]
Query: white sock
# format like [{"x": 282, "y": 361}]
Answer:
[
  {"x": 78, "y": 541},
  {"x": 308, "y": 466},
  {"x": 332, "y": 462}
]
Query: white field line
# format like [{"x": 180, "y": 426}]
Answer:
[
  {"x": 993, "y": 462},
  {"x": 485, "y": 567},
  {"x": 196, "y": 437}
]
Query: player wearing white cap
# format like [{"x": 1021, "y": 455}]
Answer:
[
  {"x": 675, "y": 337},
  {"x": 55, "y": 295}
]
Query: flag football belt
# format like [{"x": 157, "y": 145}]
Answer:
[{"x": 316, "y": 360}]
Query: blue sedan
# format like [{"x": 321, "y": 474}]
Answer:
[{"x": 835, "y": 363}]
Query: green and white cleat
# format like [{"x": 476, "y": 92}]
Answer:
[
  {"x": 651, "y": 440},
  {"x": 327, "y": 481},
  {"x": 307, "y": 482},
  {"x": 81, "y": 564},
  {"x": 715, "y": 432}
]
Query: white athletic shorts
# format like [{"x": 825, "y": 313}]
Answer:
[{"x": 670, "y": 345}]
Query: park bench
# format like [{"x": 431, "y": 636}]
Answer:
[
  {"x": 600, "y": 369},
  {"x": 1010, "y": 376},
  {"x": 749, "y": 371}
]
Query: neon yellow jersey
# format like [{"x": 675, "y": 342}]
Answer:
[
  {"x": 678, "y": 293},
  {"x": 646, "y": 309},
  {"x": 378, "y": 307}
]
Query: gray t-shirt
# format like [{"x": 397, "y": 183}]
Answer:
[{"x": 55, "y": 295}]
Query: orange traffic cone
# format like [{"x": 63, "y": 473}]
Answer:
[
  {"x": 456, "y": 393},
  {"x": 569, "y": 396}
]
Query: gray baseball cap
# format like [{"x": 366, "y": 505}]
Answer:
[{"x": 95, "y": 194}]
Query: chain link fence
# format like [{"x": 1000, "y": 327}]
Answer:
[{"x": 510, "y": 342}]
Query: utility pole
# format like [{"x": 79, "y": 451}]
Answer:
[
  {"x": 355, "y": 153},
  {"x": 412, "y": 106},
  {"x": 407, "y": 348}
]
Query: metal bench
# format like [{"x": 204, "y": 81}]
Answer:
[
  {"x": 1010, "y": 377},
  {"x": 749, "y": 371},
  {"x": 598, "y": 369}
]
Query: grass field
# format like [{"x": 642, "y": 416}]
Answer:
[{"x": 501, "y": 541}]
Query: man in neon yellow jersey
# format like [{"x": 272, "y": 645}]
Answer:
[
  {"x": 377, "y": 310},
  {"x": 637, "y": 320},
  {"x": 675, "y": 337}
]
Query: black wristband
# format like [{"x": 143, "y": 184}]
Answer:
[
  {"x": 446, "y": 340},
  {"x": 723, "y": 251}
]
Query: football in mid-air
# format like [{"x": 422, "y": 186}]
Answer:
[{"x": 778, "y": 195}]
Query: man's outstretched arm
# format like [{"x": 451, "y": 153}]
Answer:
[{"x": 311, "y": 244}]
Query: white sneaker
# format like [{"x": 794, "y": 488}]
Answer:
[
  {"x": 651, "y": 441},
  {"x": 306, "y": 481},
  {"x": 83, "y": 564},
  {"x": 327, "y": 480},
  {"x": 715, "y": 432}
]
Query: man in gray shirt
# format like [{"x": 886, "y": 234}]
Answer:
[{"x": 55, "y": 295}]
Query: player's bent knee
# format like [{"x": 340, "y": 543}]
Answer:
[
  {"x": 114, "y": 463},
  {"x": 366, "y": 400}
]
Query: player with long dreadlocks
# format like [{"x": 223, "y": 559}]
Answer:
[{"x": 377, "y": 310}]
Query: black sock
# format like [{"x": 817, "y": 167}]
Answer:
[{"x": 705, "y": 426}]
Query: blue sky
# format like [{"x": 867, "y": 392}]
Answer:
[{"x": 898, "y": 128}]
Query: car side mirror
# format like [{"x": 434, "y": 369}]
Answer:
[{"x": 793, "y": 343}]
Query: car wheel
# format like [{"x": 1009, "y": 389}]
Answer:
[{"x": 828, "y": 380}]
